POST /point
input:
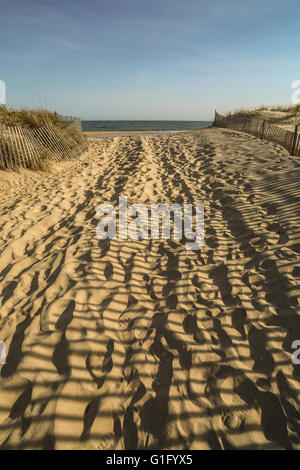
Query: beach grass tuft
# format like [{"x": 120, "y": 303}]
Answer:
[
  {"x": 30, "y": 118},
  {"x": 291, "y": 110}
]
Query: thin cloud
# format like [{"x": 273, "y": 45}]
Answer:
[{"x": 69, "y": 44}]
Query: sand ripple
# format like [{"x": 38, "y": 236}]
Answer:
[{"x": 126, "y": 344}]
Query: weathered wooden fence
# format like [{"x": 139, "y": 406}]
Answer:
[
  {"x": 26, "y": 147},
  {"x": 262, "y": 129}
]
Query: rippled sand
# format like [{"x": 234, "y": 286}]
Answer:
[{"x": 127, "y": 344}]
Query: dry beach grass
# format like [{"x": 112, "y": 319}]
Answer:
[{"x": 142, "y": 344}]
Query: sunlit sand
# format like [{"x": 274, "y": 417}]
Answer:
[{"x": 142, "y": 344}]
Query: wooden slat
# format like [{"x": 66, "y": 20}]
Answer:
[
  {"x": 32, "y": 145},
  {"x": 22, "y": 147},
  {"x": 256, "y": 126}
]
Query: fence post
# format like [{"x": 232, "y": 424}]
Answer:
[
  {"x": 263, "y": 129},
  {"x": 297, "y": 146},
  {"x": 294, "y": 140}
]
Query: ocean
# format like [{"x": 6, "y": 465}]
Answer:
[{"x": 147, "y": 126}]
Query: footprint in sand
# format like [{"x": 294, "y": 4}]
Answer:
[{"x": 58, "y": 315}]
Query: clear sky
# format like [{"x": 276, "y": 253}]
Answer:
[{"x": 148, "y": 59}]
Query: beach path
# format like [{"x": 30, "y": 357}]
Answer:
[{"x": 134, "y": 344}]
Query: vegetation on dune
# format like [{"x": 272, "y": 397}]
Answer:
[
  {"x": 35, "y": 118},
  {"x": 79, "y": 137},
  {"x": 63, "y": 142},
  {"x": 31, "y": 118},
  {"x": 291, "y": 110}
]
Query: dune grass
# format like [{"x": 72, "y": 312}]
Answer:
[
  {"x": 291, "y": 110},
  {"x": 79, "y": 137},
  {"x": 34, "y": 119},
  {"x": 31, "y": 118}
]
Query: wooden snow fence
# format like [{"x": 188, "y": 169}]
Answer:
[
  {"x": 22, "y": 147},
  {"x": 288, "y": 139}
]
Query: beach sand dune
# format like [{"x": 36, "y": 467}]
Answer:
[{"x": 122, "y": 344}]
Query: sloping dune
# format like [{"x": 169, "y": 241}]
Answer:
[{"x": 122, "y": 344}]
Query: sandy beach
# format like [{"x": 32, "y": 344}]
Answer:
[
  {"x": 141, "y": 133},
  {"x": 123, "y": 344}
]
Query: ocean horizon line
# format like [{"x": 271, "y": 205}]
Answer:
[
  {"x": 149, "y": 120},
  {"x": 142, "y": 125}
]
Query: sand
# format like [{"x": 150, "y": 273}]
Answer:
[
  {"x": 112, "y": 133},
  {"x": 285, "y": 120},
  {"x": 126, "y": 344}
]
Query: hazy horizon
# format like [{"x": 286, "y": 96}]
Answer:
[
  {"x": 164, "y": 60},
  {"x": 150, "y": 120}
]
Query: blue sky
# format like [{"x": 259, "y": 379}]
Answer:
[{"x": 148, "y": 59}]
